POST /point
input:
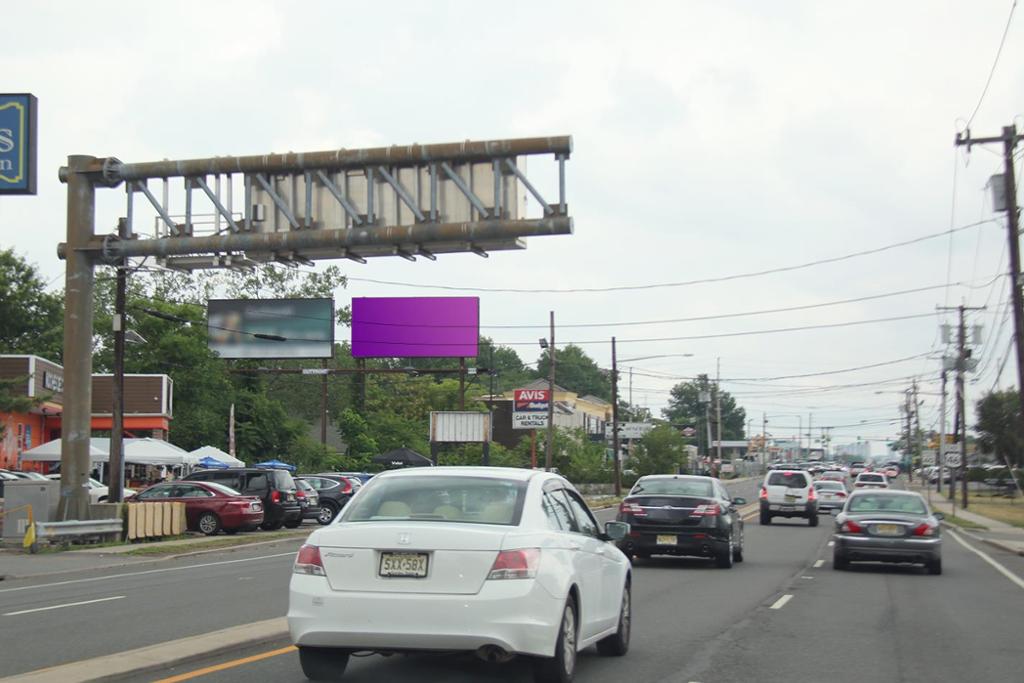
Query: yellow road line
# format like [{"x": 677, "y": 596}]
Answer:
[{"x": 227, "y": 665}]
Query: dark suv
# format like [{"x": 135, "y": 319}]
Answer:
[
  {"x": 275, "y": 488},
  {"x": 334, "y": 490}
]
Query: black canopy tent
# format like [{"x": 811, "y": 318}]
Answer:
[{"x": 403, "y": 457}]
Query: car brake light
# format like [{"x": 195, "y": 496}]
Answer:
[
  {"x": 924, "y": 530},
  {"x": 275, "y": 496},
  {"x": 515, "y": 564},
  {"x": 841, "y": 494},
  {"x": 300, "y": 494},
  {"x": 712, "y": 510},
  {"x": 308, "y": 561},
  {"x": 812, "y": 494},
  {"x": 348, "y": 488},
  {"x": 627, "y": 508},
  {"x": 851, "y": 527},
  {"x": 764, "y": 493}
]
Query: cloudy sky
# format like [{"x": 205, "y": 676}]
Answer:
[{"x": 711, "y": 139}]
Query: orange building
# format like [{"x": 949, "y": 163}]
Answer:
[{"x": 149, "y": 401}]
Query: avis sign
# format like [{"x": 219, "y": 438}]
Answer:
[
  {"x": 530, "y": 409},
  {"x": 17, "y": 144}
]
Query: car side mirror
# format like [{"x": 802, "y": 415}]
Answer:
[
  {"x": 616, "y": 531},
  {"x": 739, "y": 502},
  {"x": 939, "y": 516}
]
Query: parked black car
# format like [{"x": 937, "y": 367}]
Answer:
[
  {"x": 335, "y": 490},
  {"x": 275, "y": 488},
  {"x": 682, "y": 515},
  {"x": 309, "y": 499}
]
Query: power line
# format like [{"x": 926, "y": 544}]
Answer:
[
  {"x": 686, "y": 283},
  {"x": 806, "y": 374},
  {"x": 995, "y": 62}
]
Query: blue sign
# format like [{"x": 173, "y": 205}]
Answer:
[{"x": 17, "y": 144}]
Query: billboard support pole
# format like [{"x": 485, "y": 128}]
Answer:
[
  {"x": 533, "y": 449},
  {"x": 115, "y": 468},
  {"x": 549, "y": 447},
  {"x": 323, "y": 406},
  {"x": 462, "y": 383}
]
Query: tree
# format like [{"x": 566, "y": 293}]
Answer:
[
  {"x": 576, "y": 371},
  {"x": 661, "y": 451},
  {"x": 31, "y": 319},
  {"x": 13, "y": 401},
  {"x": 998, "y": 426},
  {"x": 684, "y": 407}
]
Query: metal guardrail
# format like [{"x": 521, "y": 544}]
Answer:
[{"x": 76, "y": 528}]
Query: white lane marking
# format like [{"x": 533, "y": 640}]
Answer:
[
  {"x": 999, "y": 568},
  {"x": 819, "y": 563},
  {"x": 781, "y": 602},
  {"x": 831, "y": 543},
  {"x": 68, "y": 604},
  {"x": 143, "y": 573}
]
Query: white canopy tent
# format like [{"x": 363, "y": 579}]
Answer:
[
  {"x": 136, "y": 452},
  {"x": 217, "y": 454}
]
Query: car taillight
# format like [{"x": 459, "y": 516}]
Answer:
[
  {"x": 764, "y": 493},
  {"x": 275, "y": 496},
  {"x": 300, "y": 494},
  {"x": 347, "y": 489},
  {"x": 515, "y": 564},
  {"x": 841, "y": 494},
  {"x": 851, "y": 527},
  {"x": 812, "y": 494},
  {"x": 925, "y": 530},
  {"x": 712, "y": 510},
  {"x": 627, "y": 508},
  {"x": 308, "y": 561}
]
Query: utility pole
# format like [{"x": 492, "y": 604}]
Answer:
[
  {"x": 940, "y": 457},
  {"x": 810, "y": 430},
  {"x": 490, "y": 410},
  {"x": 615, "y": 421},
  {"x": 718, "y": 408},
  {"x": 764, "y": 439},
  {"x": 115, "y": 466},
  {"x": 908, "y": 454},
  {"x": 963, "y": 358},
  {"x": 550, "y": 445},
  {"x": 1009, "y": 140},
  {"x": 917, "y": 434}
]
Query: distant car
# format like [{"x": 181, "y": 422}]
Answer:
[
  {"x": 788, "y": 493},
  {"x": 363, "y": 477},
  {"x": 497, "y": 561},
  {"x": 335, "y": 490},
  {"x": 856, "y": 468},
  {"x": 309, "y": 499},
  {"x": 98, "y": 491},
  {"x": 275, "y": 488},
  {"x": 887, "y": 526},
  {"x": 672, "y": 514},
  {"x": 871, "y": 480},
  {"x": 209, "y": 506},
  {"x": 834, "y": 475},
  {"x": 4, "y": 476},
  {"x": 891, "y": 471},
  {"x": 24, "y": 475},
  {"x": 832, "y": 494}
]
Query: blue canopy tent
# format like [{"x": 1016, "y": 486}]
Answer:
[
  {"x": 212, "y": 463},
  {"x": 275, "y": 465}
]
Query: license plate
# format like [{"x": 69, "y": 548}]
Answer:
[
  {"x": 790, "y": 499},
  {"x": 889, "y": 530},
  {"x": 667, "y": 539},
  {"x": 403, "y": 564}
]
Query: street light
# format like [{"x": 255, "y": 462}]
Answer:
[{"x": 799, "y": 434}]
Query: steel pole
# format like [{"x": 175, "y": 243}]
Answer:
[
  {"x": 940, "y": 458},
  {"x": 550, "y": 445},
  {"x": 615, "y": 422},
  {"x": 115, "y": 467},
  {"x": 1013, "y": 235},
  {"x": 76, "y": 420}
]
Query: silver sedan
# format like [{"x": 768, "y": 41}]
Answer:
[{"x": 883, "y": 525}]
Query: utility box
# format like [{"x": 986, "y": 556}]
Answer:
[{"x": 43, "y": 496}]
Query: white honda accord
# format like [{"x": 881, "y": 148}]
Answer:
[{"x": 499, "y": 561}]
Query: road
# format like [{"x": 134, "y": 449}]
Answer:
[{"x": 783, "y": 614}]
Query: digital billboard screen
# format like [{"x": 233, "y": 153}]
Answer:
[
  {"x": 271, "y": 328},
  {"x": 404, "y": 327}
]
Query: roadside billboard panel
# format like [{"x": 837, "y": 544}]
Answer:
[
  {"x": 18, "y": 144},
  {"x": 459, "y": 427},
  {"x": 529, "y": 420},
  {"x": 271, "y": 328},
  {"x": 421, "y": 327}
]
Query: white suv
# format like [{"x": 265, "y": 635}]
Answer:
[
  {"x": 789, "y": 493},
  {"x": 875, "y": 480}
]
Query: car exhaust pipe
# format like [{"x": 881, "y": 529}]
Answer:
[{"x": 494, "y": 654}]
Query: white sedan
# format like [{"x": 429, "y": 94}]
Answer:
[
  {"x": 497, "y": 561},
  {"x": 97, "y": 490}
]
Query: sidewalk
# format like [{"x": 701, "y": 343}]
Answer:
[{"x": 996, "y": 533}]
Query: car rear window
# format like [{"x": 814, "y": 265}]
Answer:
[
  {"x": 880, "y": 502},
  {"x": 226, "y": 490},
  {"x": 474, "y": 500},
  {"x": 871, "y": 477},
  {"x": 793, "y": 480},
  {"x": 282, "y": 480},
  {"x": 672, "y": 487}
]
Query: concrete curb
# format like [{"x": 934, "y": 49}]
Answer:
[
  {"x": 160, "y": 657},
  {"x": 994, "y": 543}
]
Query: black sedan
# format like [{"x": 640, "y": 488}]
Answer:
[
  {"x": 883, "y": 525},
  {"x": 682, "y": 515}
]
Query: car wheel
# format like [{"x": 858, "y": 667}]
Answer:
[
  {"x": 813, "y": 519},
  {"x": 327, "y": 513},
  {"x": 839, "y": 561},
  {"x": 561, "y": 667},
  {"x": 323, "y": 663},
  {"x": 724, "y": 560},
  {"x": 209, "y": 523},
  {"x": 935, "y": 566},
  {"x": 617, "y": 644},
  {"x": 765, "y": 517}
]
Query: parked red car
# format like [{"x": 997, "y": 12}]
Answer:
[{"x": 209, "y": 507}]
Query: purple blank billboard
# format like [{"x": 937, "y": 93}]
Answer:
[{"x": 402, "y": 327}]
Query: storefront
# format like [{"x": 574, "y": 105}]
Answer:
[{"x": 149, "y": 403}]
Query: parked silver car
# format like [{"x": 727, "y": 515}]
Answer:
[{"x": 884, "y": 525}]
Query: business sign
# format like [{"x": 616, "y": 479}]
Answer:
[
  {"x": 952, "y": 459},
  {"x": 459, "y": 427},
  {"x": 271, "y": 328},
  {"x": 17, "y": 144},
  {"x": 629, "y": 431},
  {"x": 530, "y": 408},
  {"x": 415, "y": 327}
]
